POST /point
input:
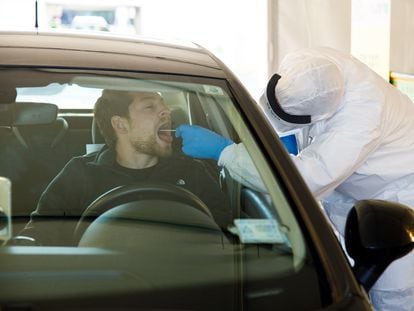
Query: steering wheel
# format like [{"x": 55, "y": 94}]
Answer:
[{"x": 136, "y": 192}]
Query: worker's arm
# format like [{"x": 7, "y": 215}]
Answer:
[{"x": 202, "y": 143}]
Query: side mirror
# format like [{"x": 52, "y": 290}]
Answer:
[{"x": 377, "y": 233}]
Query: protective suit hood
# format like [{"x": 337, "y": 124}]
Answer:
[{"x": 309, "y": 90}]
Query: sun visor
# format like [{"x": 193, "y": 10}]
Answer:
[{"x": 26, "y": 113}]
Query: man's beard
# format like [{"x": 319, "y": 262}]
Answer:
[{"x": 149, "y": 146}]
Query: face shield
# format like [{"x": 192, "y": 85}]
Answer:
[
  {"x": 277, "y": 109},
  {"x": 292, "y": 139},
  {"x": 308, "y": 90},
  {"x": 281, "y": 120}
]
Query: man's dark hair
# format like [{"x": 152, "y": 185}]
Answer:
[{"x": 111, "y": 103}]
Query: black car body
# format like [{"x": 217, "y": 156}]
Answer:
[{"x": 124, "y": 265}]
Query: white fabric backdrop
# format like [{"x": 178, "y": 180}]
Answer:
[{"x": 294, "y": 24}]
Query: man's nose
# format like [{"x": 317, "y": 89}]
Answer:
[{"x": 165, "y": 111}]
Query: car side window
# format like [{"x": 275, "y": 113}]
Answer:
[
  {"x": 277, "y": 262},
  {"x": 181, "y": 230}
]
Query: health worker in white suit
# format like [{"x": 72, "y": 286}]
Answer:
[{"x": 357, "y": 143}]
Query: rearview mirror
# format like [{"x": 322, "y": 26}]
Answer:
[
  {"x": 26, "y": 113},
  {"x": 377, "y": 233}
]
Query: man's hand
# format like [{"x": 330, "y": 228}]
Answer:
[{"x": 202, "y": 143}]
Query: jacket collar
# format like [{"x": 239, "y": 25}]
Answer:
[
  {"x": 107, "y": 157},
  {"x": 104, "y": 157}
]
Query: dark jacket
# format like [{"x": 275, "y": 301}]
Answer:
[{"x": 85, "y": 178}]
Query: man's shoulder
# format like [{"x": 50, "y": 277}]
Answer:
[{"x": 82, "y": 160}]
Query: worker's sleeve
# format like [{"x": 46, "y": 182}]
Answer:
[{"x": 241, "y": 167}]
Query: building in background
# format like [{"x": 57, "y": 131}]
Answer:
[
  {"x": 114, "y": 16},
  {"x": 238, "y": 39}
]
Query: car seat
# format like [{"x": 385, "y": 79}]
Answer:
[{"x": 32, "y": 152}]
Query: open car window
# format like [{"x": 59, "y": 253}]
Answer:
[{"x": 157, "y": 239}]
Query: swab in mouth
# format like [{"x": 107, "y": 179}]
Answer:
[{"x": 166, "y": 135}]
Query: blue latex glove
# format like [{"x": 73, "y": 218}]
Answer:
[{"x": 202, "y": 143}]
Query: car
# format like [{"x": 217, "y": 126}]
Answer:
[
  {"x": 89, "y": 22},
  {"x": 155, "y": 245}
]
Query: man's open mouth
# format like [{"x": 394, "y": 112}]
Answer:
[{"x": 165, "y": 133}]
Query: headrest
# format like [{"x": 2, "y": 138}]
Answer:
[
  {"x": 26, "y": 113},
  {"x": 42, "y": 135}
]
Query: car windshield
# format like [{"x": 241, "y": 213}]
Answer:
[{"x": 183, "y": 229}]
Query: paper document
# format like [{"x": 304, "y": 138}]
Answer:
[{"x": 258, "y": 231}]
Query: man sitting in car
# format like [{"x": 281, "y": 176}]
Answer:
[{"x": 135, "y": 127}]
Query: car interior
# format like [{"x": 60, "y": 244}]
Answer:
[{"x": 42, "y": 128}]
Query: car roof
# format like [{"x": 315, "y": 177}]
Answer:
[{"x": 105, "y": 51}]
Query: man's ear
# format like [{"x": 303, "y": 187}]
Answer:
[{"x": 119, "y": 124}]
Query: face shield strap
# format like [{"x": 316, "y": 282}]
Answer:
[{"x": 274, "y": 104}]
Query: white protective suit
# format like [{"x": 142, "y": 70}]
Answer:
[{"x": 361, "y": 146}]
